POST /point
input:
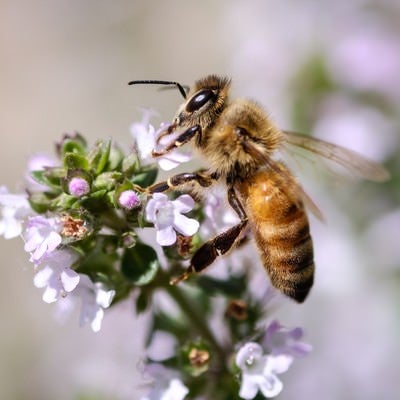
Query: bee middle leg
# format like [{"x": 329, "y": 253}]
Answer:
[
  {"x": 218, "y": 245},
  {"x": 204, "y": 180}
]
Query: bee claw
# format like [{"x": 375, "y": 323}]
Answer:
[{"x": 180, "y": 278}]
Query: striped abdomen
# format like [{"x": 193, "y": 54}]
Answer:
[{"x": 280, "y": 227}]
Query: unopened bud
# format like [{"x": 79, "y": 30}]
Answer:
[
  {"x": 78, "y": 187},
  {"x": 129, "y": 199}
]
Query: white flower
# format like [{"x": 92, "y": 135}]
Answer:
[
  {"x": 176, "y": 390},
  {"x": 145, "y": 137},
  {"x": 94, "y": 299},
  {"x": 259, "y": 371},
  {"x": 56, "y": 275},
  {"x": 42, "y": 236},
  {"x": 166, "y": 385},
  {"x": 14, "y": 209},
  {"x": 166, "y": 215}
]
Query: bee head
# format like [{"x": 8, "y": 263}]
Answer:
[{"x": 204, "y": 103}]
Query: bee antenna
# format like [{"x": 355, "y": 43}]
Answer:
[{"x": 183, "y": 89}]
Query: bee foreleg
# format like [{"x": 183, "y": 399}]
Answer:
[
  {"x": 204, "y": 180},
  {"x": 183, "y": 138}
]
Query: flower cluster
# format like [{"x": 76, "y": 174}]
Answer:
[{"x": 82, "y": 218}]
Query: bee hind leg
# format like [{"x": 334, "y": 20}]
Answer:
[
  {"x": 211, "y": 249},
  {"x": 220, "y": 244}
]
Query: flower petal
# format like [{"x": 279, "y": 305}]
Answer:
[
  {"x": 69, "y": 279},
  {"x": 42, "y": 277},
  {"x": 166, "y": 236},
  {"x": 10, "y": 228},
  {"x": 97, "y": 320},
  {"x": 183, "y": 203},
  {"x": 278, "y": 364},
  {"x": 50, "y": 294},
  {"x": 184, "y": 225},
  {"x": 271, "y": 386},
  {"x": 104, "y": 297},
  {"x": 53, "y": 241},
  {"x": 176, "y": 391},
  {"x": 248, "y": 387},
  {"x": 167, "y": 164},
  {"x": 173, "y": 160},
  {"x": 247, "y": 354}
]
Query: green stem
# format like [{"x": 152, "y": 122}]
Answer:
[
  {"x": 111, "y": 219},
  {"x": 195, "y": 315}
]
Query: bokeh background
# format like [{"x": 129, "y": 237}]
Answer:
[{"x": 328, "y": 68}]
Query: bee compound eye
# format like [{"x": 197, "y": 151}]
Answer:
[{"x": 199, "y": 100}]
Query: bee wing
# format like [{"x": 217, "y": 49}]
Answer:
[{"x": 352, "y": 161}]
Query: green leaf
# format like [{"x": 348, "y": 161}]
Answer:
[
  {"x": 98, "y": 156},
  {"x": 76, "y": 161},
  {"x": 40, "y": 202},
  {"x": 50, "y": 177},
  {"x": 115, "y": 158},
  {"x": 107, "y": 180},
  {"x": 96, "y": 202},
  {"x": 146, "y": 177},
  {"x": 74, "y": 143},
  {"x": 40, "y": 177},
  {"x": 130, "y": 164},
  {"x": 140, "y": 264},
  {"x": 64, "y": 202}
]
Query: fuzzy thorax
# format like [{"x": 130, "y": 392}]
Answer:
[{"x": 241, "y": 140}]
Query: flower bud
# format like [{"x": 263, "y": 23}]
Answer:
[
  {"x": 129, "y": 199},
  {"x": 196, "y": 358},
  {"x": 78, "y": 187},
  {"x": 128, "y": 239},
  {"x": 237, "y": 309}
]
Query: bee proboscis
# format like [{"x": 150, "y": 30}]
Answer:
[{"x": 239, "y": 142}]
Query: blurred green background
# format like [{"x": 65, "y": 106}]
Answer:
[{"x": 328, "y": 68}]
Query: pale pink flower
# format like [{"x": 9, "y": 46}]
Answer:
[
  {"x": 14, "y": 210},
  {"x": 42, "y": 236},
  {"x": 94, "y": 298},
  {"x": 167, "y": 386},
  {"x": 55, "y": 274},
  {"x": 166, "y": 215},
  {"x": 281, "y": 340},
  {"x": 259, "y": 371}
]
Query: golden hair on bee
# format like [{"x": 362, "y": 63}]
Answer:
[{"x": 239, "y": 142}]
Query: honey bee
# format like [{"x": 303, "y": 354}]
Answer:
[{"x": 239, "y": 141}]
